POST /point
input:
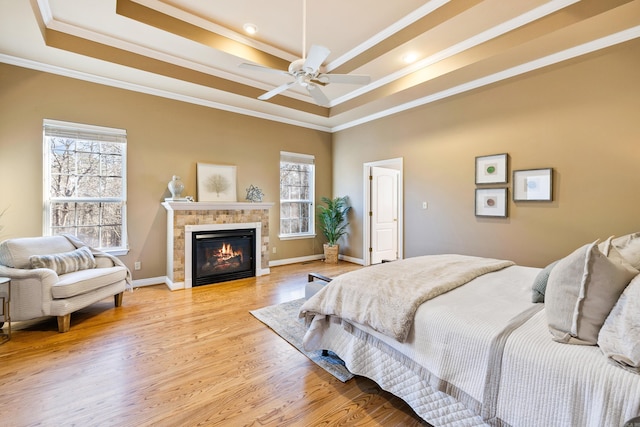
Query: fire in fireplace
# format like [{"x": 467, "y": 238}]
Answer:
[{"x": 222, "y": 255}]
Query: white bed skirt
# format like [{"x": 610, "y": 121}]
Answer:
[{"x": 376, "y": 361}]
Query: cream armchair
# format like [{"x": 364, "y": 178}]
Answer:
[{"x": 57, "y": 275}]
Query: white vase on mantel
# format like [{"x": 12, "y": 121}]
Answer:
[{"x": 176, "y": 187}]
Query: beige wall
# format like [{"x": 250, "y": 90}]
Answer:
[
  {"x": 165, "y": 137},
  {"x": 581, "y": 118}
]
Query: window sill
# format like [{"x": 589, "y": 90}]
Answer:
[
  {"x": 296, "y": 236},
  {"x": 116, "y": 252}
]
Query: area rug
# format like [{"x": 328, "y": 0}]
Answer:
[{"x": 283, "y": 319}]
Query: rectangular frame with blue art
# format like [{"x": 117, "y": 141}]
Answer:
[{"x": 533, "y": 185}]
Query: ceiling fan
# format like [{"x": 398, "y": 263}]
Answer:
[{"x": 306, "y": 72}]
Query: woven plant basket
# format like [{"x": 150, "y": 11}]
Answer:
[{"x": 331, "y": 253}]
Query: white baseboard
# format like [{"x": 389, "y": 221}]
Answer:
[
  {"x": 359, "y": 261},
  {"x": 297, "y": 260},
  {"x": 149, "y": 281},
  {"x": 312, "y": 258},
  {"x": 173, "y": 286}
]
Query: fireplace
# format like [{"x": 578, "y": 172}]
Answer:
[
  {"x": 186, "y": 218},
  {"x": 221, "y": 255}
]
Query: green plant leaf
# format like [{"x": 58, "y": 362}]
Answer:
[{"x": 332, "y": 218}]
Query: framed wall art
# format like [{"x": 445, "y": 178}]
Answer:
[
  {"x": 216, "y": 183},
  {"x": 491, "y": 169},
  {"x": 491, "y": 202},
  {"x": 533, "y": 185}
]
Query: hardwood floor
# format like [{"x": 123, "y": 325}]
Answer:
[{"x": 184, "y": 358}]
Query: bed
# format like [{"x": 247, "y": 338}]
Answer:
[{"x": 477, "y": 350}]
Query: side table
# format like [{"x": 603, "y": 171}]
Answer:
[{"x": 5, "y": 299}]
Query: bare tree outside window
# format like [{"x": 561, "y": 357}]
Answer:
[{"x": 85, "y": 172}]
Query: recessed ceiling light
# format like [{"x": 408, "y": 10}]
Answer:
[
  {"x": 250, "y": 28},
  {"x": 410, "y": 57}
]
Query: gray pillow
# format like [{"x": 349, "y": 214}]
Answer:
[
  {"x": 581, "y": 291},
  {"x": 65, "y": 262},
  {"x": 539, "y": 286},
  {"x": 619, "y": 338}
]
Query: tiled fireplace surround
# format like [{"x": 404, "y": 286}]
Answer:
[{"x": 183, "y": 218}]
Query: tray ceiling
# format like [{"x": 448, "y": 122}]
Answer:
[{"x": 191, "y": 50}]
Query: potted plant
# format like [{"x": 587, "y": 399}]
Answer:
[{"x": 332, "y": 217}]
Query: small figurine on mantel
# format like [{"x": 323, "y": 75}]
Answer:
[
  {"x": 176, "y": 187},
  {"x": 254, "y": 194}
]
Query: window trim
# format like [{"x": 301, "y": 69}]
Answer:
[
  {"x": 75, "y": 130},
  {"x": 306, "y": 159}
]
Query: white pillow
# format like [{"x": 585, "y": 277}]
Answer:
[
  {"x": 629, "y": 247},
  {"x": 619, "y": 338},
  {"x": 581, "y": 291},
  {"x": 605, "y": 246}
]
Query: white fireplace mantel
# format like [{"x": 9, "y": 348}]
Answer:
[
  {"x": 185, "y": 217},
  {"x": 214, "y": 206}
]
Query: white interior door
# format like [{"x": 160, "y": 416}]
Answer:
[{"x": 384, "y": 214}]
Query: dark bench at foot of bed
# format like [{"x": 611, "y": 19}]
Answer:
[
  {"x": 313, "y": 276},
  {"x": 314, "y": 286}
]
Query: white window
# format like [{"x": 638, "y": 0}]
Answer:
[
  {"x": 297, "y": 176},
  {"x": 85, "y": 184}
]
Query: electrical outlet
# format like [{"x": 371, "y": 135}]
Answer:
[
  {"x": 273, "y": 250},
  {"x": 136, "y": 265},
  {"x": 424, "y": 205}
]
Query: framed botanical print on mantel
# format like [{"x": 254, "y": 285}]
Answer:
[{"x": 216, "y": 183}]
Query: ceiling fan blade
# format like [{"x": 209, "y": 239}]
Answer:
[
  {"x": 317, "y": 94},
  {"x": 276, "y": 91},
  {"x": 315, "y": 58},
  {"x": 356, "y": 79},
  {"x": 256, "y": 67}
]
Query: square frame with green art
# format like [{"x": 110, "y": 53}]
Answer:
[{"x": 492, "y": 169}]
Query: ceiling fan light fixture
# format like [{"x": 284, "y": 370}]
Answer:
[
  {"x": 250, "y": 28},
  {"x": 302, "y": 81}
]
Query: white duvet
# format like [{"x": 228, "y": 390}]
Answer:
[{"x": 571, "y": 385}]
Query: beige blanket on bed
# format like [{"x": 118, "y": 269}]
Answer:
[{"x": 386, "y": 296}]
